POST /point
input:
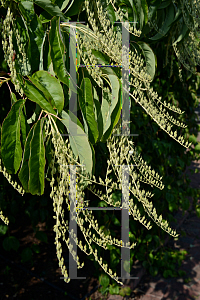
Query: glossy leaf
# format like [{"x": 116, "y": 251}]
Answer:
[
  {"x": 149, "y": 58},
  {"x": 134, "y": 13},
  {"x": 13, "y": 98},
  {"x": 87, "y": 108},
  {"x": 97, "y": 111},
  {"x": 111, "y": 113},
  {"x": 145, "y": 10},
  {"x": 65, "y": 4},
  {"x": 152, "y": 9},
  {"x": 166, "y": 26},
  {"x": 11, "y": 150},
  {"x": 182, "y": 34},
  {"x": 93, "y": 158},
  {"x": 79, "y": 143},
  {"x": 27, "y": 10},
  {"x": 37, "y": 161},
  {"x": 23, "y": 68},
  {"x": 57, "y": 53},
  {"x": 164, "y": 4},
  {"x": 140, "y": 12},
  {"x": 36, "y": 34},
  {"x": 24, "y": 170},
  {"x": 74, "y": 8},
  {"x": 178, "y": 15},
  {"x": 50, "y": 87},
  {"x": 51, "y": 8},
  {"x": 37, "y": 96},
  {"x": 32, "y": 169},
  {"x": 75, "y": 119},
  {"x": 24, "y": 125}
]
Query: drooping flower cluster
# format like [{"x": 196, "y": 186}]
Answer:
[{"x": 64, "y": 157}]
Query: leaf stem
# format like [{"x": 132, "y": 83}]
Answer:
[{"x": 40, "y": 115}]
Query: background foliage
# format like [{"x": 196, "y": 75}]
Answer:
[{"x": 165, "y": 155}]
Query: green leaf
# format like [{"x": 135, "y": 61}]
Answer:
[
  {"x": 74, "y": 8},
  {"x": 178, "y": 15},
  {"x": 145, "y": 10},
  {"x": 97, "y": 111},
  {"x": 50, "y": 87},
  {"x": 134, "y": 13},
  {"x": 24, "y": 170},
  {"x": 149, "y": 58},
  {"x": 51, "y": 8},
  {"x": 103, "y": 290},
  {"x": 36, "y": 34},
  {"x": 24, "y": 125},
  {"x": 11, "y": 150},
  {"x": 108, "y": 8},
  {"x": 197, "y": 148},
  {"x": 75, "y": 119},
  {"x": 115, "y": 116},
  {"x": 87, "y": 108},
  {"x": 23, "y": 68},
  {"x": 13, "y": 98},
  {"x": 114, "y": 290},
  {"x": 65, "y": 4},
  {"x": 11, "y": 242},
  {"x": 140, "y": 13},
  {"x": 104, "y": 280},
  {"x": 40, "y": 235},
  {"x": 3, "y": 229},
  {"x": 93, "y": 158},
  {"x": 79, "y": 143},
  {"x": 151, "y": 256},
  {"x": 152, "y": 9},
  {"x": 114, "y": 258},
  {"x": 183, "y": 33},
  {"x": 37, "y": 161},
  {"x": 106, "y": 108},
  {"x": 36, "y": 95},
  {"x": 116, "y": 222},
  {"x": 153, "y": 271},
  {"x": 57, "y": 53},
  {"x": 148, "y": 238},
  {"x": 26, "y": 254},
  {"x": 32, "y": 170},
  {"x": 125, "y": 291},
  {"x": 192, "y": 139},
  {"x": 167, "y": 24},
  {"x": 27, "y": 10},
  {"x": 32, "y": 118},
  {"x": 164, "y": 4},
  {"x": 126, "y": 266},
  {"x": 167, "y": 273}
]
